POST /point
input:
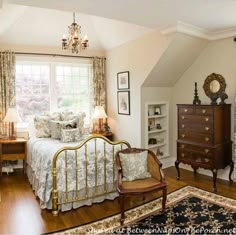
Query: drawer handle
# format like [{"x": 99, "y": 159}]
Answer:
[
  {"x": 206, "y": 150},
  {"x": 204, "y": 111},
  {"x": 185, "y": 110},
  {"x": 206, "y": 160},
  {"x": 182, "y": 155},
  {"x": 207, "y": 128},
  {"x": 182, "y": 146},
  {"x": 206, "y": 119},
  {"x": 183, "y": 117},
  {"x": 183, "y": 135},
  {"x": 206, "y": 139},
  {"x": 183, "y": 125}
]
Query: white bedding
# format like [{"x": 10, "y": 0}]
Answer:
[{"x": 40, "y": 152}]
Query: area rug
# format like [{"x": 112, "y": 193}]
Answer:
[{"x": 189, "y": 211}]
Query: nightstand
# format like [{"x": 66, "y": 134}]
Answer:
[
  {"x": 108, "y": 135},
  {"x": 13, "y": 149}
]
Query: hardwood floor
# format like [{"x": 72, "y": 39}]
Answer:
[{"x": 20, "y": 212}]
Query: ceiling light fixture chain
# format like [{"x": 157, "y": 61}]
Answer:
[{"x": 74, "y": 41}]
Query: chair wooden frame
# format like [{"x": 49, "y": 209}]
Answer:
[{"x": 154, "y": 168}]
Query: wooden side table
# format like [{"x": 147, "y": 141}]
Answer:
[
  {"x": 108, "y": 135},
  {"x": 13, "y": 149}
]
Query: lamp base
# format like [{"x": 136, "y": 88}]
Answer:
[{"x": 12, "y": 137}]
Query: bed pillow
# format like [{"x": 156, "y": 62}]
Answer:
[
  {"x": 80, "y": 123},
  {"x": 56, "y": 116},
  {"x": 42, "y": 127},
  {"x": 68, "y": 115},
  {"x": 134, "y": 166},
  {"x": 56, "y": 126},
  {"x": 70, "y": 135}
]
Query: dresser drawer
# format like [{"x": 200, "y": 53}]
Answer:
[
  {"x": 195, "y": 137},
  {"x": 186, "y": 110},
  {"x": 196, "y": 158},
  {"x": 205, "y": 128},
  {"x": 182, "y": 118},
  {"x": 204, "y": 111},
  {"x": 196, "y": 148}
]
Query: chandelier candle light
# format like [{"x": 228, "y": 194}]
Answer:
[{"x": 74, "y": 40}]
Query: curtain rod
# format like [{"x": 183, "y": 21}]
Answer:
[{"x": 45, "y": 54}]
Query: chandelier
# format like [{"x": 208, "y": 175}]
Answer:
[{"x": 74, "y": 42}]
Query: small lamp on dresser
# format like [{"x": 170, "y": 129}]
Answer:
[
  {"x": 11, "y": 118},
  {"x": 99, "y": 115}
]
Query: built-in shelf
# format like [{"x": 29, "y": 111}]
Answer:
[
  {"x": 157, "y": 116},
  {"x": 157, "y": 127},
  {"x": 156, "y": 131}
]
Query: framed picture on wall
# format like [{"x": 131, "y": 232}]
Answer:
[
  {"x": 123, "y": 98},
  {"x": 123, "y": 80}
]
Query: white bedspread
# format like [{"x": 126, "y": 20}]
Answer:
[{"x": 40, "y": 152}]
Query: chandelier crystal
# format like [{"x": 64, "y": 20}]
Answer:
[{"x": 74, "y": 42}]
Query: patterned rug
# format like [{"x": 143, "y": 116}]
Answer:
[{"x": 189, "y": 211}]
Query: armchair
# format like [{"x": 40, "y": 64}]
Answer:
[{"x": 139, "y": 187}]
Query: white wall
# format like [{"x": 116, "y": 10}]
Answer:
[
  {"x": 218, "y": 57},
  {"x": 138, "y": 57}
]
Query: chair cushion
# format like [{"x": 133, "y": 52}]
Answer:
[
  {"x": 142, "y": 185},
  {"x": 134, "y": 166}
]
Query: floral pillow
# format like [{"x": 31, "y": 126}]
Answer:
[
  {"x": 70, "y": 135},
  {"x": 68, "y": 115},
  {"x": 56, "y": 126},
  {"x": 42, "y": 128},
  {"x": 134, "y": 166}
]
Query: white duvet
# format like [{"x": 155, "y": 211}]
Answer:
[{"x": 40, "y": 152}]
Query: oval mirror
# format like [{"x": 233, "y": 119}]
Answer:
[{"x": 214, "y": 86}]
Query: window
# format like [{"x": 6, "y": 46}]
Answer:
[
  {"x": 32, "y": 90},
  {"x": 72, "y": 87},
  {"x": 48, "y": 87}
]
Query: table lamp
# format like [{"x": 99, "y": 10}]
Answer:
[
  {"x": 99, "y": 114},
  {"x": 11, "y": 117}
]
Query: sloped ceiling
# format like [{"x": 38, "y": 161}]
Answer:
[
  {"x": 211, "y": 15},
  {"x": 179, "y": 56},
  {"x": 24, "y": 25}
]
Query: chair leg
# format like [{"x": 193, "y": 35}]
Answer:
[
  {"x": 122, "y": 209},
  {"x": 164, "y": 195}
]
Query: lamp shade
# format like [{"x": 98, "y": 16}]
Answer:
[
  {"x": 99, "y": 112},
  {"x": 11, "y": 115}
]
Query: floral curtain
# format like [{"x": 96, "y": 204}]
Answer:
[
  {"x": 99, "y": 82},
  {"x": 7, "y": 87}
]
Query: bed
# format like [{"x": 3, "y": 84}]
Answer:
[{"x": 66, "y": 176}]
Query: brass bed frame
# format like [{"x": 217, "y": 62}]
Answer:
[{"x": 64, "y": 150}]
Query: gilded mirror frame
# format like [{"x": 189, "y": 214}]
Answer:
[{"x": 207, "y": 87}]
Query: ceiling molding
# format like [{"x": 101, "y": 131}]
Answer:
[{"x": 195, "y": 31}]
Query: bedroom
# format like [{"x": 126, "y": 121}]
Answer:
[{"x": 149, "y": 55}]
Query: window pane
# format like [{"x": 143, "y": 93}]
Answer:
[
  {"x": 72, "y": 88},
  {"x": 32, "y": 90}
]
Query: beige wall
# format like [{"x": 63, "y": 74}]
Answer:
[
  {"x": 48, "y": 50},
  {"x": 138, "y": 57},
  {"x": 218, "y": 57}
]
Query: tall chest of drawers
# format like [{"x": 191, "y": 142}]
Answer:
[{"x": 204, "y": 139}]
